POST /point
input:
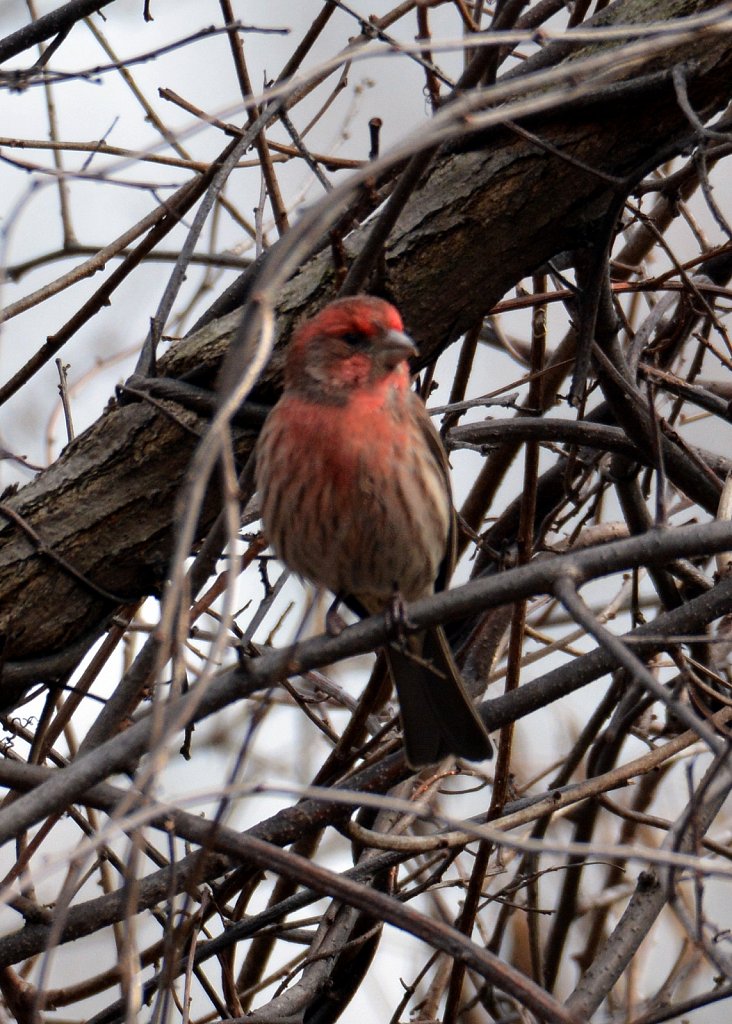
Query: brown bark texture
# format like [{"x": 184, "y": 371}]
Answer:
[{"x": 489, "y": 211}]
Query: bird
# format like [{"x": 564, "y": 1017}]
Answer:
[{"x": 355, "y": 498}]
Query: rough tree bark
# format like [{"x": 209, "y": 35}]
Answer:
[{"x": 488, "y": 212}]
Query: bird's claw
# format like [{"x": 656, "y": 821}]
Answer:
[
  {"x": 397, "y": 619},
  {"x": 334, "y": 623}
]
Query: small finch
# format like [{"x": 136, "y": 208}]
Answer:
[{"x": 355, "y": 496}]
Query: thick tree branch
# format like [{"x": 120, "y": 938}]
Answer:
[{"x": 480, "y": 222}]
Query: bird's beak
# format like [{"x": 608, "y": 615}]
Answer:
[{"x": 394, "y": 347}]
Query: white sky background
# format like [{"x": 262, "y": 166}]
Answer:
[{"x": 390, "y": 88}]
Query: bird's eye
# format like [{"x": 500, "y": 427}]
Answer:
[{"x": 355, "y": 338}]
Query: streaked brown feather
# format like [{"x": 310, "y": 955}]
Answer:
[{"x": 355, "y": 491}]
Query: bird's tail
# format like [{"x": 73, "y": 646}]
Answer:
[{"x": 438, "y": 716}]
